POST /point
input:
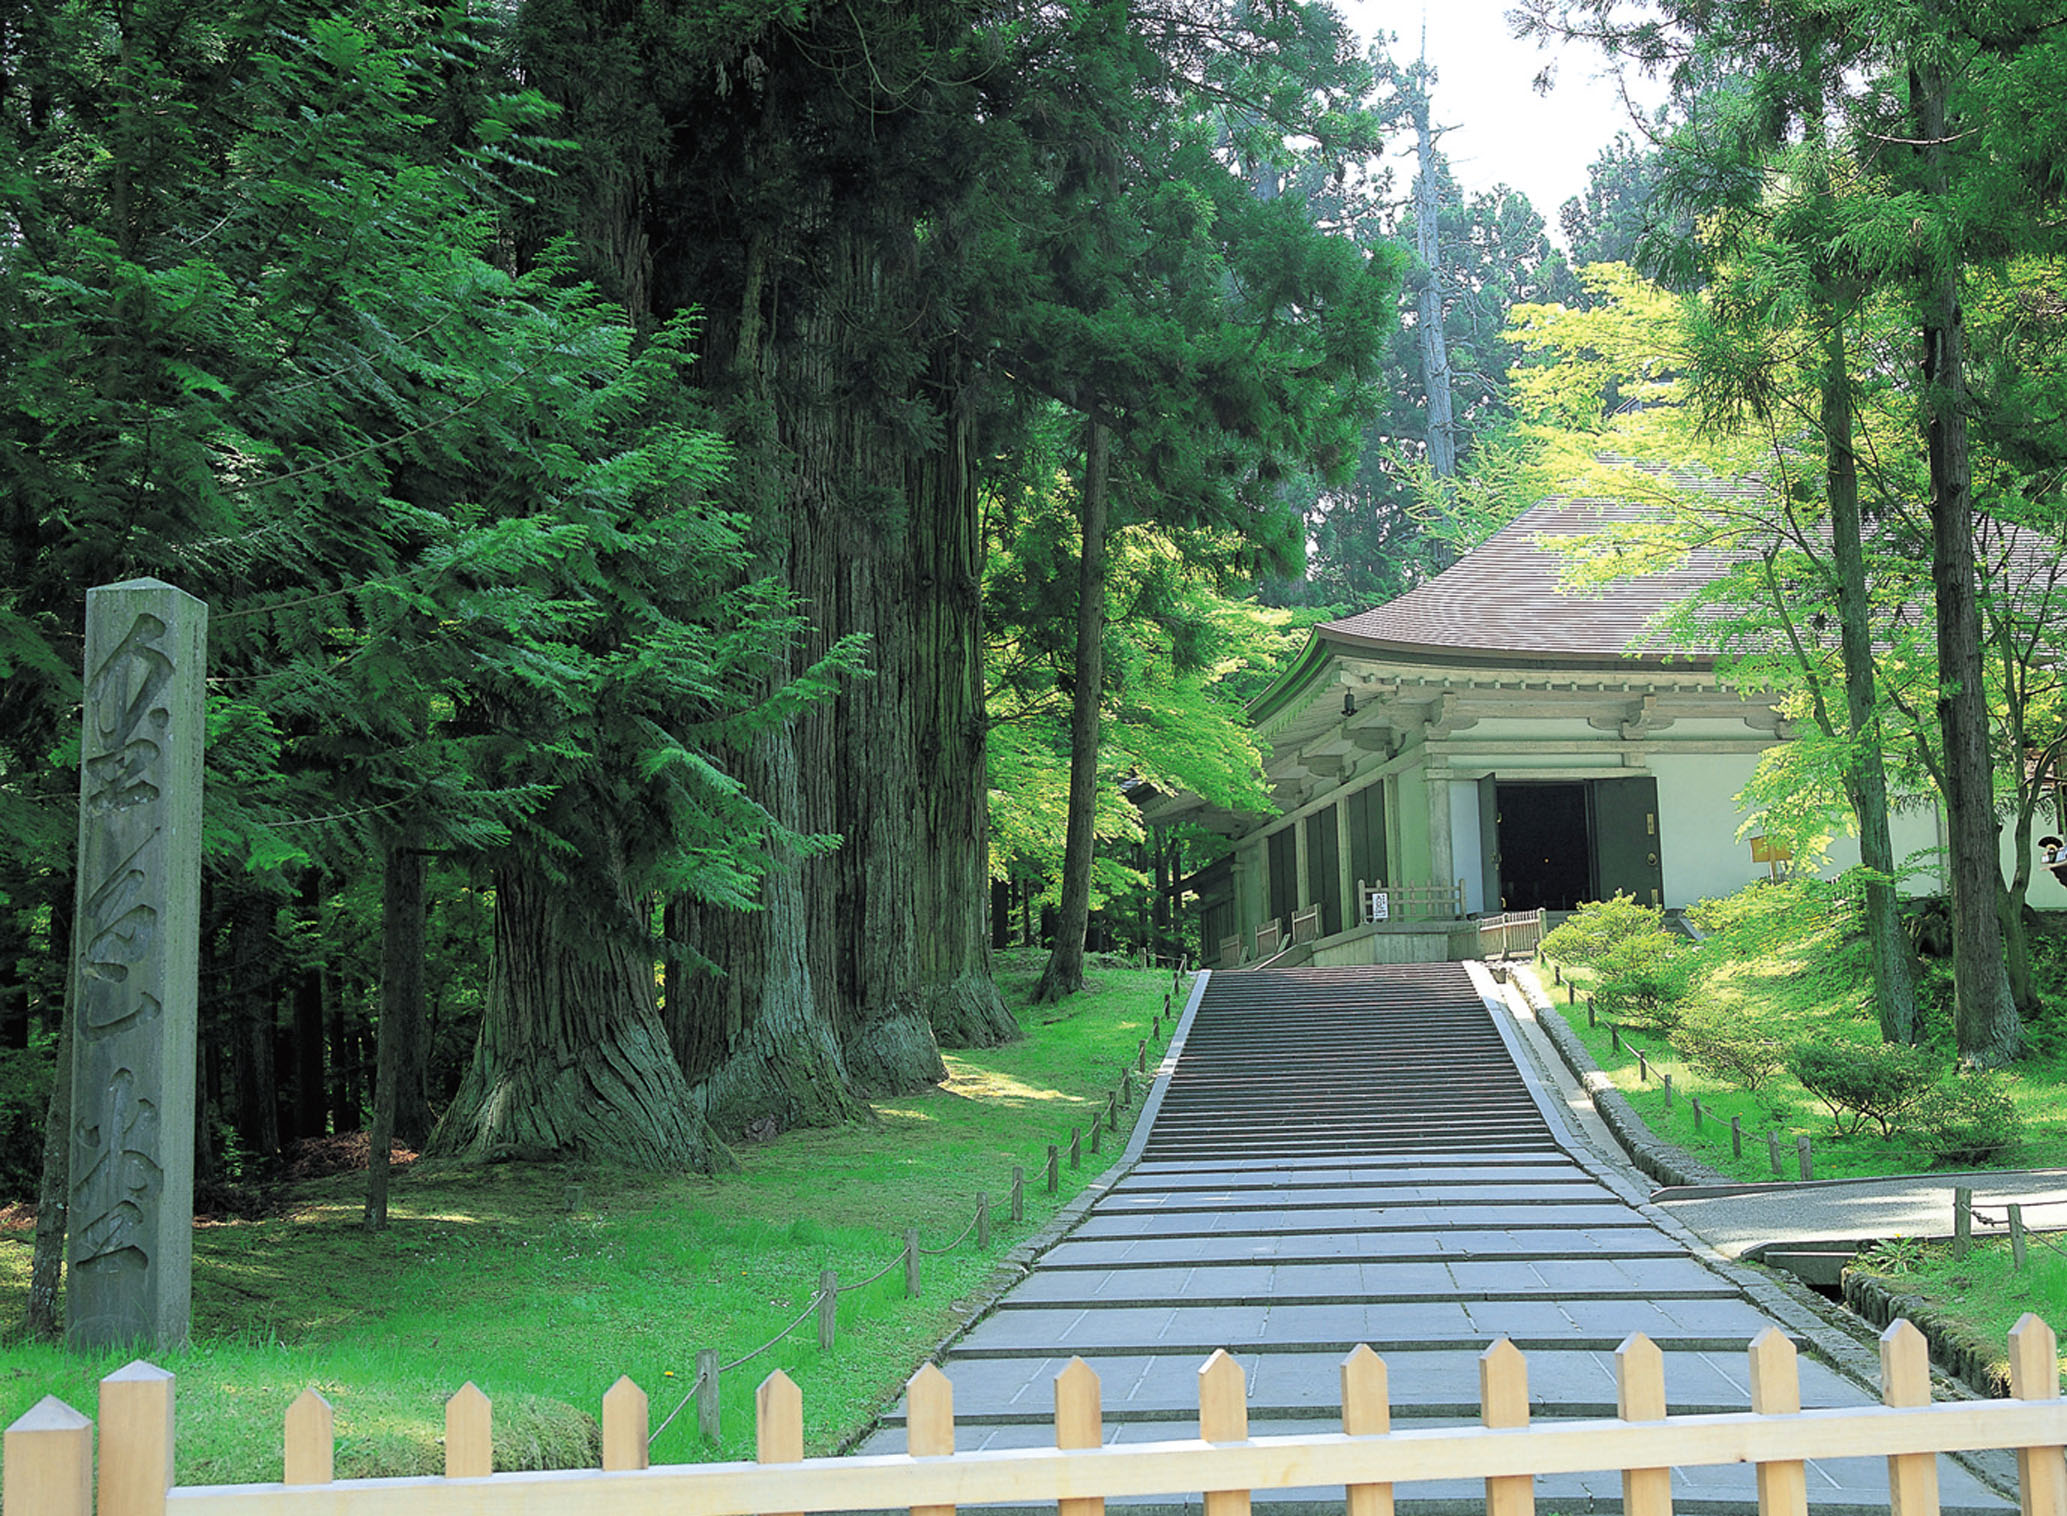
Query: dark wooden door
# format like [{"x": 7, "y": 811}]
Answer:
[
  {"x": 1625, "y": 838},
  {"x": 1324, "y": 868}
]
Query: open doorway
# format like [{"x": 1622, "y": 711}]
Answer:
[{"x": 1545, "y": 845}]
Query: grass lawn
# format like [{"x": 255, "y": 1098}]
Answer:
[
  {"x": 1786, "y": 964},
  {"x": 485, "y": 1275},
  {"x": 1982, "y": 1295}
]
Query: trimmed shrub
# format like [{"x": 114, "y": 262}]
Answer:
[
  {"x": 1864, "y": 1081},
  {"x": 1597, "y": 926},
  {"x": 1967, "y": 1118},
  {"x": 1727, "y": 1047},
  {"x": 1644, "y": 980}
]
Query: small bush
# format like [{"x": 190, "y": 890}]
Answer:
[
  {"x": 1967, "y": 1118},
  {"x": 1730, "y": 1048},
  {"x": 1597, "y": 926},
  {"x": 1863, "y": 1081},
  {"x": 1644, "y": 980}
]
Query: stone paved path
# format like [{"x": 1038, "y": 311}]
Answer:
[{"x": 1352, "y": 1156}]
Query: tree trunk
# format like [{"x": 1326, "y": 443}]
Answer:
[
  {"x": 53, "y": 1193},
  {"x": 1984, "y": 1016},
  {"x": 1428, "y": 298},
  {"x": 571, "y": 1060},
  {"x": 311, "y": 1099},
  {"x": 1894, "y": 984},
  {"x": 1064, "y": 974},
  {"x": 401, "y": 1004}
]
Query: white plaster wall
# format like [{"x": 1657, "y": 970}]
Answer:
[
  {"x": 1465, "y": 843},
  {"x": 1698, "y": 817}
]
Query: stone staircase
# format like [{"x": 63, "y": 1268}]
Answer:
[{"x": 1347, "y": 1156}]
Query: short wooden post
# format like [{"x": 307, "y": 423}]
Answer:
[
  {"x": 982, "y": 1222},
  {"x": 1079, "y": 1423},
  {"x": 1096, "y": 1128},
  {"x": 1018, "y": 1193},
  {"x": 1962, "y": 1220},
  {"x": 707, "y": 1419},
  {"x": 911, "y": 1242},
  {"x": 1503, "y": 1397},
  {"x": 1615, "y": 1037},
  {"x": 1126, "y": 1088},
  {"x": 135, "y": 1441},
  {"x": 627, "y": 1422},
  {"x": 1571, "y": 997},
  {"x": 1054, "y": 1167},
  {"x": 1223, "y": 1417},
  {"x": 1366, "y": 1412},
  {"x": 1773, "y": 1152},
  {"x": 2017, "y": 1238},
  {"x": 1905, "y": 1380},
  {"x": 1155, "y": 1028},
  {"x": 49, "y": 1454},
  {"x": 1668, "y": 1091},
  {"x": 310, "y": 1443},
  {"x": 929, "y": 1423},
  {"x": 1557, "y": 973},
  {"x": 1695, "y": 1102},
  {"x": 470, "y": 1433},
  {"x": 1776, "y": 1391},
  {"x": 778, "y": 1421},
  {"x": 1592, "y": 1020},
  {"x": 1141, "y": 1056},
  {"x": 1640, "y": 1396},
  {"x": 2034, "y": 1375},
  {"x": 1804, "y": 1153},
  {"x": 1736, "y": 1136},
  {"x": 1112, "y": 1112},
  {"x": 1076, "y": 1148},
  {"x": 1643, "y": 1067},
  {"x": 828, "y": 1309}
]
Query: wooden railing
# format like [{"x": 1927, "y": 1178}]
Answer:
[
  {"x": 1231, "y": 951},
  {"x": 49, "y": 1451},
  {"x": 1306, "y": 924},
  {"x": 1409, "y": 902},
  {"x": 1509, "y": 933},
  {"x": 1268, "y": 938}
]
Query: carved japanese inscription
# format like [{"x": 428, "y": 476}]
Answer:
[{"x": 138, "y": 948}]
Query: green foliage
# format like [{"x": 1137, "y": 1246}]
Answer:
[
  {"x": 1968, "y": 1117},
  {"x": 1644, "y": 979},
  {"x": 1598, "y": 925},
  {"x": 1729, "y": 1047},
  {"x": 25, "y": 1079},
  {"x": 1860, "y": 1081}
]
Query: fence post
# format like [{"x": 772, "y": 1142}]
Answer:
[
  {"x": 1640, "y": 1396},
  {"x": 1054, "y": 1167},
  {"x": 311, "y": 1443},
  {"x": 1615, "y": 1036},
  {"x": 1366, "y": 1412},
  {"x": 1079, "y": 1423},
  {"x": 49, "y": 1452},
  {"x": 627, "y": 1419},
  {"x": 1223, "y": 1417},
  {"x": 1804, "y": 1152},
  {"x": 707, "y": 1392},
  {"x": 1776, "y": 1391},
  {"x": 1126, "y": 1088},
  {"x": 135, "y": 1467},
  {"x": 1591, "y": 1019},
  {"x": 929, "y": 1423},
  {"x": 1905, "y": 1380},
  {"x": 1018, "y": 1193},
  {"x": 1557, "y": 973},
  {"x": 828, "y": 1309},
  {"x": 1503, "y": 1394},
  {"x": 1668, "y": 1091},
  {"x": 1643, "y": 1067},
  {"x": 982, "y": 1222},
  {"x": 1096, "y": 1126},
  {"x": 2034, "y": 1375},
  {"x": 470, "y": 1432},
  {"x": 1141, "y": 1056},
  {"x": 1962, "y": 1220},
  {"x": 1112, "y": 1112},
  {"x": 778, "y": 1420},
  {"x": 1773, "y": 1152},
  {"x": 2017, "y": 1238},
  {"x": 911, "y": 1246},
  {"x": 1695, "y": 1102}
]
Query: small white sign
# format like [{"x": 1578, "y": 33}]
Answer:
[{"x": 1377, "y": 906}]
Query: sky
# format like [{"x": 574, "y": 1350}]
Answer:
[{"x": 1502, "y": 131}]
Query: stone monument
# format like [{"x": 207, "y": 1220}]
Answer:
[{"x": 130, "y": 1245}]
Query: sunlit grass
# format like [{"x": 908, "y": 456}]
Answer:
[
  {"x": 486, "y": 1276},
  {"x": 1984, "y": 1294}
]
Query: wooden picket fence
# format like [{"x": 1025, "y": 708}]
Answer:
[{"x": 50, "y": 1462}]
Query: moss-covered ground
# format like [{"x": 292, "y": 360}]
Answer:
[{"x": 488, "y": 1275}]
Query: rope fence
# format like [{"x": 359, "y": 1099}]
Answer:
[
  {"x": 1965, "y": 1213},
  {"x": 823, "y": 1301}
]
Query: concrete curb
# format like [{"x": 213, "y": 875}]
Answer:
[{"x": 1665, "y": 1163}]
